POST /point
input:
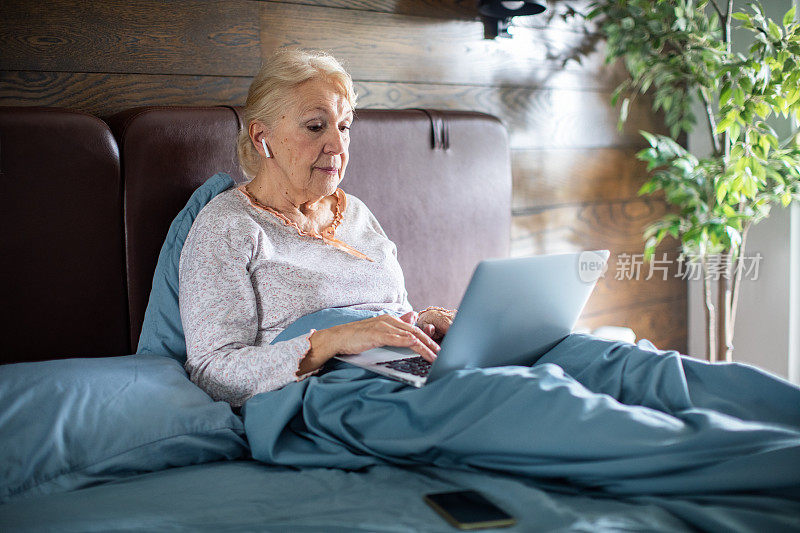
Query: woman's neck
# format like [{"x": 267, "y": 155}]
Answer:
[{"x": 295, "y": 206}]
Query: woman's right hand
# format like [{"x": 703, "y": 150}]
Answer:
[{"x": 356, "y": 337}]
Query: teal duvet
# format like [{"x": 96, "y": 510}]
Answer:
[{"x": 601, "y": 417}]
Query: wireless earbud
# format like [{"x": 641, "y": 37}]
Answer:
[{"x": 266, "y": 150}]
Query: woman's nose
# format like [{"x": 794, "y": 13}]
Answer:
[{"x": 336, "y": 142}]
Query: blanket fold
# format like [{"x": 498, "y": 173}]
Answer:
[{"x": 596, "y": 414}]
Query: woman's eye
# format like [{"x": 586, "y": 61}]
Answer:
[
  {"x": 344, "y": 127},
  {"x": 315, "y": 127}
]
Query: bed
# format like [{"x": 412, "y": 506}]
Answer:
[{"x": 99, "y": 439}]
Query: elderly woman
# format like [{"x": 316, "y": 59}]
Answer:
[
  {"x": 609, "y": 416},
  {"x": 290, "y": 242}
]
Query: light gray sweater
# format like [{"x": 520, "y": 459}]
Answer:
[{"x": 245, "y": 275}]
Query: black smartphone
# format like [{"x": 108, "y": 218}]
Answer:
[{"x": 468, "y": 509}]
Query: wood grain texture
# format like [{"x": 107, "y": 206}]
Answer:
[
  {"x": 630, "y": 288},
  {"x": 662, "y": 323},
  {"x": 613, "y": 225},
  {"x": 452, "y": 9},
  {"x": 630, "y": 282},
  {"x": 213, "y": 37},
  {"x": 386, "y": 46},
  {"x": 571, "y": 175},
  {"x": 557, "y": 14},
  {"x": 535, "y": 118},
  {"x": 220, "y": 37},
  {"x": 106, "y": 94}
]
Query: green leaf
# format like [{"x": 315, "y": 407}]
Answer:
[
  {"x": 775, "y": 31},
  {"x": 623, "y": 113},
  {"x": 765, "y": 145},
  {"x": 786, "y": 199},
  {"x": 788, "y": 17},
  {"x": 741, "y": 16},
  {"x": 734, "y": 131},
  {"x": 725, "y": 94},
  {"x": 722, "y": 191},
  {"x": 650, "y": 248},
  {"x": 648, "y": 188},
  {"x": 773, "y": 141},
  {"x": 618, "y": 91},
  {"x": 725, "y": 123},
  {"x": 734, "y": 236},
  {"x": 650, "y": 138}
]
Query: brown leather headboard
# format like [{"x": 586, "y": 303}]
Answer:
[
  {"x": 62, "y": 284},
  {"x": 167, "y": 154},
  {"x": 442, "y": 193},
  {"x": 439, "y": 182}
]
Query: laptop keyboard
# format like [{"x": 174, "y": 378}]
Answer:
[{"x": 412, "y": 365}]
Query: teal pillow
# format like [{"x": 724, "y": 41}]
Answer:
[
  {"x": 162, "y": 330},
  {"x": 74, "y": 423}
]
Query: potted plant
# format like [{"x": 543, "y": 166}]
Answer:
[{"x": 680, "y": 50}]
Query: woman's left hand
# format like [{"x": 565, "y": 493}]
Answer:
[{"x": 435, "y": 322}]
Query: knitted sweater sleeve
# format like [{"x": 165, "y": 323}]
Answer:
[{"x": 220, "y": 320}]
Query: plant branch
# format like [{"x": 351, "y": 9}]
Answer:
[
  {"x": 717, "y": 9},
  {"x": 728, "y": 19},
  {"x": 712, "y": 123},
  {"x": 726, "y": 36},
  {"x": 724, "y": 299},
  {"x": 737, "y": 280},
  {"x": 711, "y": 344}
]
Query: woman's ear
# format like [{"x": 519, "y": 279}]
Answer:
[{"x": 258, "y": 135}]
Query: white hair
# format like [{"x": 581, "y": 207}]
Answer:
[{"x": 271, "y": 91}]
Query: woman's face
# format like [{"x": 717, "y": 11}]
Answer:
[{"x": 310, "y": 141}]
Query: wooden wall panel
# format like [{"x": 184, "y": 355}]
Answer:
[
  {"x": 571, "y": 175},
  {"x": 575, "y": 175},
  {"x": 535, "y": 118},
  {"x": 222, "y": 37},
  {"x": 553, "y": 17},
  {"x": 213, "y": 37},
  {"x": 384, "y": 46},
  {"x": 631, "y": 283},
  {"x": 662, "y": 322},
  {"x": 106, "y": 94},
  {"x": 451, "y": 9},
  {"x": 617, "y": 225}
]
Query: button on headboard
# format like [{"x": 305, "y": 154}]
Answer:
[{"x": 441, "y": 192}]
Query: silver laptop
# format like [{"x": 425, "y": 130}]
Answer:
[{"x": 514, "y": 310}]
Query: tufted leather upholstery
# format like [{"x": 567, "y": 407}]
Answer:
[
  {"x": 167, "y": 154},
  {"x": 438, "y": 181},
  {"x": 62, "y": 288}
]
